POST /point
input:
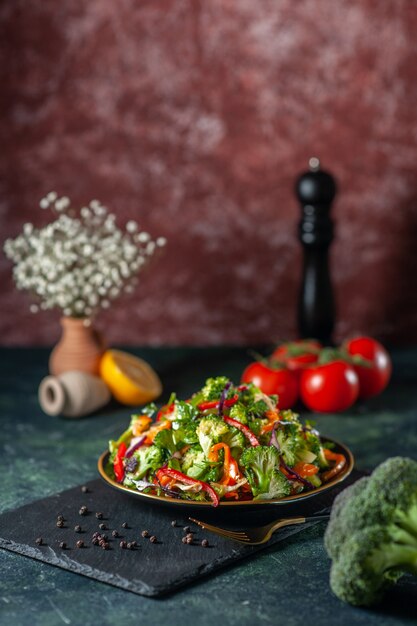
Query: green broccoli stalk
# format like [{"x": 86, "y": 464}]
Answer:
[
  {"x": 210, "y": 431},
  {"x": 279, "y": 487},
  {"x": 372, "y": 532},
  {"x": 369, "y": 562},
  {"x": 261, "y": 467}
]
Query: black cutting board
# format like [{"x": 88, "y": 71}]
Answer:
[{"x": 151, "y": 569}]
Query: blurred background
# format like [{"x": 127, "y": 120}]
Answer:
[{"x": 195, "y": 118}]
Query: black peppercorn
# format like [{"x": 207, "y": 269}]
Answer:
[
  {"x": 95, "y": 541},
  {"x": 145, "y": 533},
  {"x": 205, "y": 543},
  {"x": 189, "y": 536},
  {"x": 80, "y": 543},
  {"x": 77, "y": 528},
  {"x": 60, "y": 518},
  {"x": 83, "y": 510},
  {"x": 153, "y": 539},
  {"x": 130, "y": 546},
  {"x": 184, "y": 539},
  {"x": 105, "y": 545},
  {"x": 134, "y": 543},
  {"x": 104, "y": 537},
  {"x": 84, "y": 489},
  {"x": 99, "y": 515},
  {"x": 60, "y": 523},
  {"x": 63, "y": 545},
  {"x": 102, "y": 526},
  {"x": 124, "y": 525},
  {"x": 174, "y": 523},
  {"x": 187, "y": 529},
  {"x": 114, "y": 533},
  {"x": 123, "y": 544},
  {"x": 39, "y": 541},
  {"x": 188, "y": 539},
  {"x": 96, "y": 534}
]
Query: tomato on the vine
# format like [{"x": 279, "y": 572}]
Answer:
[
  {"x": 374, "y": 378},
  {"x": 329, "y": 387},
  {"x": 273, "y": 381},
  {"x": 297, "y": 355}
]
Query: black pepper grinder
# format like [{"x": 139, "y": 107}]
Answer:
[{"x": 316, "y": 190}]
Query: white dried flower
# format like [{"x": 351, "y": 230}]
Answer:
[
  {"x": 79, "y": 261},
  {"x": 132, "y": 227}
]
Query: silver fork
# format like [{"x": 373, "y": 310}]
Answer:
[{"x": 260, "y": 534}]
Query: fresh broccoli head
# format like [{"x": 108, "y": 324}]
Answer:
[
  {"x": 213, "y": 388},
  {"x": 149, "y": 458},
  {"x": 238, "y": 412},
  {"x": 260, "y": 465},
  {"x": 235, "y": 439},
  {"x": 210, "y": 431},
  {"x": 368, "y": 563},
  {"x": 195, "y": 464},
  {"x": 279, "y": 487},
  {"x": 294, "y": 447},
  {"x": 372, "y": 533}
]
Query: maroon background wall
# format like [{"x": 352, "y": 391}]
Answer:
[{"x": 195, "y": 117}]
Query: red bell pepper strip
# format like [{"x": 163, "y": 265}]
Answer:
[
  {"x": 118, "y": 466},
  {"x": 340, "y": 462},
  {"x": 183, "y": 478},
  {"x": 244, "y": 429},
  {"x": 214, "y": 404}
]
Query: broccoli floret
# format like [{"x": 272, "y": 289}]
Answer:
[
  {"x": 210, "y": 430},
  {"x": 294, "y": 447},
  {"x": 279, "y": 487},
  {"x": 149, "y": 458},
  {"x": 256, "y": 425},
  {"x": 238, "y": 412},
  {"x": 335, "y": 534},
  {"x": 316, "y": 448},
  {"x": 372, "y": 533},
  {"x": 213, "y": 388},
  {"x": 368, "y": 563},
  {"x": 235, "y": 439},
  {"x": 194, "y": 463},
  {"x": 258, "y": 464}
]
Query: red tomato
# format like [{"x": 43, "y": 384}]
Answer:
[
  {"x": 330, "y": 387},
  {"x": 297, "y": 355},
  {"x": 372, "y": 380},
  {"x": 272, "y": 381}
]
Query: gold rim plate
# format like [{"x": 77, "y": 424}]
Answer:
[{"x": 338, "y": 447}]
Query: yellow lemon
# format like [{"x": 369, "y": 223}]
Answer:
[{"x": 130, "y": 379}]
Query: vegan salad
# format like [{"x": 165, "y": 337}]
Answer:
[{"x": 225, "y": 442}]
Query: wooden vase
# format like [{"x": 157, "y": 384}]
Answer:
[{"x": 79, "y": 349}]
